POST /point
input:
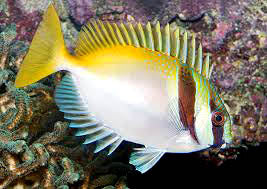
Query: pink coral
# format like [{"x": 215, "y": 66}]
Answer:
[
  {"x": 26, "y": 23},
  {"x": 81, "y": 11}
]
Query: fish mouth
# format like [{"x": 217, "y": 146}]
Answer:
[{"x": 218, "y": 145}]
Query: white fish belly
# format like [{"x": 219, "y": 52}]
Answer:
[{"x": 135, "y": 105}]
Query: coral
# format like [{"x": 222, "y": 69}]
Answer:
[
  {"x": 22, "y": 153},
  {"x": 36, "y": 147},
  {"x": 3, "y": 12},
  {"x": 32, "y": 5},
  {"x": 6, "y": 38},
  {"x": 26, "y": 22},
  {"x": 81, "y": 11},
  {"x": 102, "y": 171},
  {"x": 61, "y": 7},
  {"x": 36, "y": 156}
]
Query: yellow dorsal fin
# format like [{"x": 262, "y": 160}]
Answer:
[
  {"x": 141, "y": 35},
  {"x": 166, "y": 40},
  {"x": 192, "y": 52},
  {"x": 175, "y": 41},
  {"x": 157, "y": 37},
  {"x": 206, "y": 66},
  {"x": 96, "y": 35},
  {"x": 106, "y": 34},
  {"x": 149, "y": 37},
  {"x": 99, "y": 33},
  {"x": 183, "y": 48},
  {"x": 125, "y": 34},
  {"x": 112, "y": 33},
  {"x": 199, "y": 60},
  {"x": 119, "y": 35},
  {"x": 133, "y": 35}
]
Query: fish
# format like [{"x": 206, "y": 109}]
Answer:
[{"x": 142, "y": 83}]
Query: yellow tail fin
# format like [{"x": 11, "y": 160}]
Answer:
[{"x": 46, "y": 51}]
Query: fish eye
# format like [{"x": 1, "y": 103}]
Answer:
[{"x": 217, "y": 119}]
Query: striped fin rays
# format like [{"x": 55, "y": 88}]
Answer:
[
  {"x": 96, "y": 35},
  {"x": 69, "y": 101}
]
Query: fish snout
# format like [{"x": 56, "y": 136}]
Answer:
[{"x": 220, "y": 144}]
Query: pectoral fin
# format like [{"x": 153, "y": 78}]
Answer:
[{"x": 145, "y": 158}]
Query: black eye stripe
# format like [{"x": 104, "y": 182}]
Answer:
[
  {"x": 217, "y": 127},
  {"x": 218, "y": 136}
]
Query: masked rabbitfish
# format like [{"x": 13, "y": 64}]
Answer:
[{"x": 140, "y": 83}]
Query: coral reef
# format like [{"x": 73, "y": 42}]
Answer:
[
  {"x": 37, "y": 148},
  {"x": 81, "y": 11}
]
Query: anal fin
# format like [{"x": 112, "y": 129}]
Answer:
[{"x": 70, "y": 101}]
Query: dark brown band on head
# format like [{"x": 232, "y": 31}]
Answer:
[
  {"x": 217, "y": 130},
  {"x": 218, "y": 136},
  {"x": 186, "y": 92}
]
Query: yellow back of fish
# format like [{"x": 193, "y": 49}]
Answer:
[{"x": 102, "y": 45}]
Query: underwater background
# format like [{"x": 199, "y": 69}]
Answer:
[{"x": 38, "y": 150}]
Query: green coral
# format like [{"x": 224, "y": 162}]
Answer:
[
  {"x": 22, "y": 100},
  {"x": 7, "y": 36},
  {"x": 4, "y": 7}
]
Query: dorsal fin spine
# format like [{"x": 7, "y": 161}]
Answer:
[
  {"x": 133, "y": 35},
  {"x": 176, "y": 43},
  {"x": 83, "y": 46},
  {"x": 106, "y": 35},
  {"x": 90, "y": 38},
  {"x": 158, "y": 38},
  {"x": 99, "y": 33},
  {"x": 192, "y": 52},
  {"x": 141, "y": 35},
  {"x": 149, "y": 36},
  {"x": 126, "y": 34},
  {"x": 81, "y": 50},
  {"x": 206, "y": 68},
  {"x": 85, "y": 40},
  {"x": 166, "y": 40},
  {"x": 199, "y": 58},
  {"x": 113, "y": 36},
  {"x": 120, "y": 38},
  {"x": 99, "y": 44},
  {"x": 85, "y": 43},
  {"x": 183, "y": 52}
]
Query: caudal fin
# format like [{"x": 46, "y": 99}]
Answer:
[{"x": 46, "y": 51}]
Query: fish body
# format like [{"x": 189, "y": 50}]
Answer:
[
  {"x": 143, "y": 93},
  {"x": 136, "y": 83}
]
